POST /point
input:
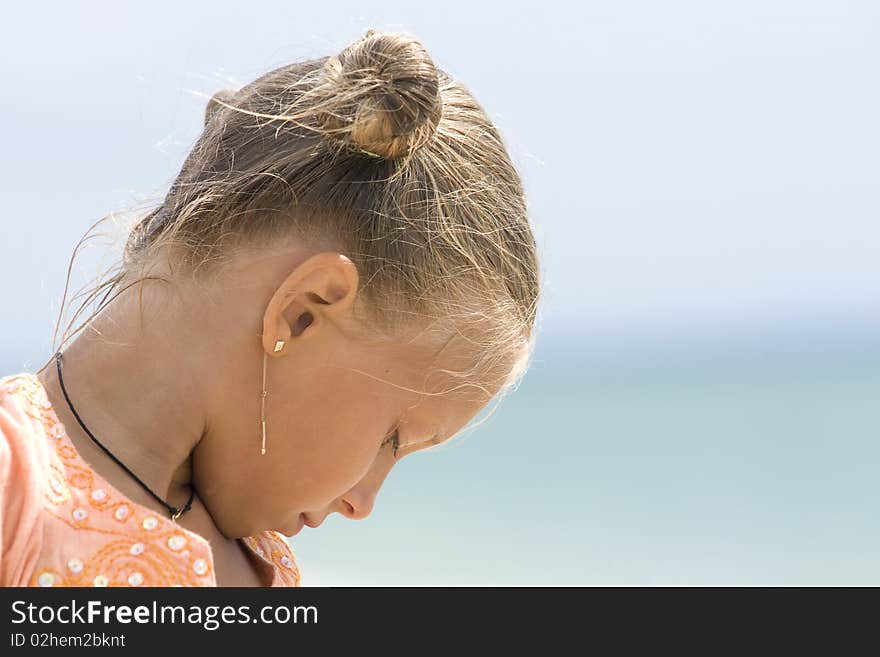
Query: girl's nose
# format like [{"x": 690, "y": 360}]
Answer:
[{"x": 357, "y": 504}]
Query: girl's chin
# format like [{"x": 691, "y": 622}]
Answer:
[{"x": 293, "y": 527}]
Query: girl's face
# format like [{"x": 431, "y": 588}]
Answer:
[
  {"x": 330, "y": 435},
  {"x": 335, "y": 408}
]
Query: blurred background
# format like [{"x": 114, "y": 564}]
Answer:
[{"x": 704, "y": 183}]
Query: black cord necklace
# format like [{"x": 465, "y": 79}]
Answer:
[{"x": 173, "y": 510}]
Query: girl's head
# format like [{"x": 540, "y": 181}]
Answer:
[{"x": 363, "y": 209}]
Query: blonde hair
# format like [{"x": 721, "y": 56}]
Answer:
[{"x": 375, "y": 151}]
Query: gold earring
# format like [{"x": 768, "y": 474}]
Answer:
[
  {"x": 278, "y": 346},
  {"x": 263, "y": 406}
]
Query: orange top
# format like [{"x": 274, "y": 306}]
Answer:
[{"x": 62, "y": 524}]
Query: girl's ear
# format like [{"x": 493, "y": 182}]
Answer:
[{"x": 225, "y": 96}]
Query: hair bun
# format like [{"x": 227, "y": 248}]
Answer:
[{"x": 384, "y": 95}]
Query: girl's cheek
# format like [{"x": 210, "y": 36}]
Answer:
[
  {"x": 314, "y": 476},
  {"x": 348, "y": 473}
]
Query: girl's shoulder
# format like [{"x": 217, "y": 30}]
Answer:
[
  {"x": 22, "y": 426},
  {"x": 24, "y": 461},
  {"x": 20, "y": 396},
  {"x": 23, "y": 429}
]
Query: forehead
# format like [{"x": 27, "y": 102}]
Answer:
[{"x": 444, "y": 360}]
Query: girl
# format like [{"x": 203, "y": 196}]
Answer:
[{"x": 341, "y": 274}]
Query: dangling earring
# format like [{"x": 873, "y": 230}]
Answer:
[{"x": 279, "y": 345}]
